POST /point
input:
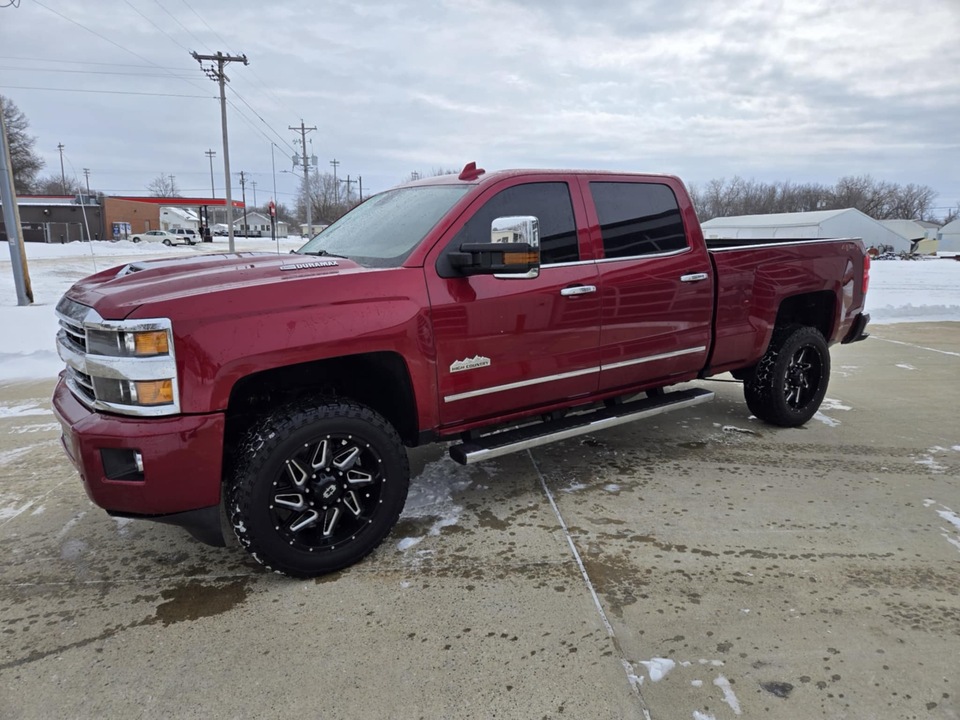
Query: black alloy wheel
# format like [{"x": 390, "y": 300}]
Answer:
[
  {"x": 317, "y": 487},
  {"x": 789, "y": 383}
]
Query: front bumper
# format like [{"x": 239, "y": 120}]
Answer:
[{"x": 182, "y": 458}]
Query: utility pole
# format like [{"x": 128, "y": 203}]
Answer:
[
  {"x": 63, "y": 175},
  {"x": 360, "y": 180},
  {"x": 273, "y": 200},
  {"x": 86, "y": 174},
  {"x": 11, "y": 221},
  {"x": 306, "y": 174},
  {"x": 348, "y": 182},
  {"x": 211, "y": 154},
  {"x": 336, "y": 185},
  {"x": 173, "y": 184},
  {"x": 220, "y": 76},
  {"x": 253, "y": 184},
  {"x": 243, "y": 189}
]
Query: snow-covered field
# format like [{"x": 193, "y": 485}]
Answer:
[{"x": 908, "y": 291}]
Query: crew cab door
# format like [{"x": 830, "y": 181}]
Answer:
[
  {"x": 505, "y": 345},
  {"x": 656, "y": 281}
]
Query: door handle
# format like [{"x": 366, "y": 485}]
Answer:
[
  {"x": 578, "y": 290},
  {"x": 694, "y": 277}
]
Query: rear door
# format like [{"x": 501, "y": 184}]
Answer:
[
  {"x": 656, "y": 286},
  {"x": 508, "y": 345}
]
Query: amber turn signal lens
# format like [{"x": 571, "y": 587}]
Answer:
[
  {"x": 154, "y": 342},
  {"x": 519, "y": 258},
  {"x": 154, "y": 392}
]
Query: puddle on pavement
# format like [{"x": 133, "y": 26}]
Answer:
[{"x": 196, "y": 600}]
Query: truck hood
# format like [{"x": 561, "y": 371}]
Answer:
[{"x": 120, "y": 290}]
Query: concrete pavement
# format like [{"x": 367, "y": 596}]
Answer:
[{"x": 702, "y": 565}]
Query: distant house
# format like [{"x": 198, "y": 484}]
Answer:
[
  {"x": 849, "y": 222},
  {"x": 949, "y": 237},
  {"x": 174, "y": 218},
  {"x": 258, "y": 225}
]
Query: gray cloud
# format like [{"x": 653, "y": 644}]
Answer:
[{"x": 790, "y": 90}]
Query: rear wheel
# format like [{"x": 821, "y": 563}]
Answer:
[
  {"x": 317, "y": 488},
  {"x": 790, "y": 381}
]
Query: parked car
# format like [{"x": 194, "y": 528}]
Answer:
[
  {"x": 498, "y": 311},
  {"x": 167, "y": 237},
  {"x": 188, "y": 235}
]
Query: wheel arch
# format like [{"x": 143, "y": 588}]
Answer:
[
  {"x": 815, "y": 309},
  {"x": 379, "y": 380}
]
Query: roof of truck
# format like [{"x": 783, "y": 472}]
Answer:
[{"x": 475, "y": 176}]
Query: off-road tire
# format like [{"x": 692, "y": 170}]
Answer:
[
  {"x": 790, "y": 381},
  {"x": 305, "y": 464}
]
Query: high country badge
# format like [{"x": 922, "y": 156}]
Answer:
[{"x": 477, "y": 361}]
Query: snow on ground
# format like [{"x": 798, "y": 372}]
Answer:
[
  {"x": 28, "y": 350},
  {"x": 914, "y": 291},
  {"x": 900, "y": 291}
]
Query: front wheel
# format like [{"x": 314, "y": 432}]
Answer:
[
  {"x": 166, "y": 241},
  {"x": 317, "y": 487},
  {"x": 790, "y": 381}
]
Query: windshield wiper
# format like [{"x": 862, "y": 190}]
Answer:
[{"x": 324, "y": 253}]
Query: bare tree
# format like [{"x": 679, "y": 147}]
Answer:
[
  {"x": 329, "y": 204},
  {"x": 52, "y": 185},
  {"x": 26, "y": 163},
  {"x": 952, "y": 214},
  {"x": 164, "y": 186},
  {"x": 878, "y": 199}
]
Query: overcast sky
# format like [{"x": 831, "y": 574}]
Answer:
[{"x": 805, "y": 90}]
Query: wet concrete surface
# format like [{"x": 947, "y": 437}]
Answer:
[{"x": 739, "y": 570}]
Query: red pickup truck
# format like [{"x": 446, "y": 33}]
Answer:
[{"x": 500, "y": 311}]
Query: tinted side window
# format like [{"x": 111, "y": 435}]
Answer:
[
  {"x": 549, "y": 202},
  {"x": 637, "y": 218}
]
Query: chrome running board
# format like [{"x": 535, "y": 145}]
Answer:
[{"x": 496, "y": 444}]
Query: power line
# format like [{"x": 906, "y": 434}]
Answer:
[
  {"x": 185, "y": 28},
  {"x": 86, "y": 62},
  {"x": 104, "y": 37},
  {"x": 172, "y": 39},
  {"x": 241, "y": 98},
  {"x": 106, "y": 92},
  {"x": 190, "y": 8},
  {"x": 92, "y": 72}
]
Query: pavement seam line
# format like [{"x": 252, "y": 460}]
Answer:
[
  {"x": 632, "y": 678},
  {"x": 919, "y": 347}
]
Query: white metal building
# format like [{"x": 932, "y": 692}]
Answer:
[
  {"x": 949, "y": 238},
  {"x": 818, "y": 224},
  {"x": 923, "y": 240}
]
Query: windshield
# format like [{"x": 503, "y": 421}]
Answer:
[{"x": 384, "y": 230}]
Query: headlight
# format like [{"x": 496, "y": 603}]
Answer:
[
  {"x": 123, "y": 366},
  {"x": 116, "y": 342}
]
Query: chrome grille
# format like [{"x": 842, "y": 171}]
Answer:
[
  {"x": 71, "y": 316},
  {"x": 74, "y": 334},
  {"x": 81, "y": 383}
]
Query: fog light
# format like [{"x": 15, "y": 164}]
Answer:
[{"x": 122, "y": 464}]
